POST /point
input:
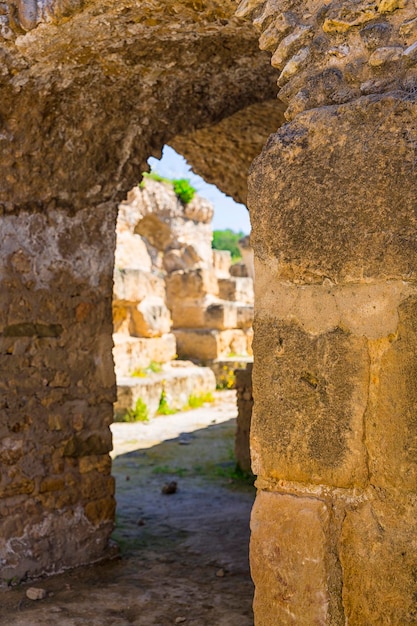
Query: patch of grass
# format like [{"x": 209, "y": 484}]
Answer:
[
  {"x": 166, "y": 469},
  {"x": 195, "y": 401},
  {"x": 141, "y": 372},
  {"x": 228, "y": 470},
  {"x": 153, "y": 176},
  {"x": 139, "y": 413}
]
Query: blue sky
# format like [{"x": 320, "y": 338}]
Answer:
[{"x": 227, "y": 212}]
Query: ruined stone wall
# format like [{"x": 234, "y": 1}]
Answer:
[
  {"x": 332, "y": 200},
  {"x": 57, "y": 390},
  {"x": 88, "y": 91}
]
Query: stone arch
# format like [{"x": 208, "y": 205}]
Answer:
[{"x": 88, "y": 92}]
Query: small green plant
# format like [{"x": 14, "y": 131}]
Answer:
[
  {"x": 184, "y": 190},
  {"x": 164, "y": 408},
  {"x": 195, "y": 401},
  {"x": 139, "y": 413},
  {"x": 154, "y": 367},
  {"x": 233, "y": 472},
  {"x": 182, "y": 186},
  {"x": 139, "y": 372}
]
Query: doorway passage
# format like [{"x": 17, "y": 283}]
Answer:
[{"x": 184, "y": 555}]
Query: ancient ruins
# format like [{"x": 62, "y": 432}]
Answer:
[
  {"x": 175, "y": 301},
  {"x": 89, "y": 90}
]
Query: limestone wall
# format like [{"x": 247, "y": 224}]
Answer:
[
  {"x": 334, "y": 229},
  {"x": 335, "y": 362},
  {"x": 88, "y": 91},
  {"x": 167, "y": 275},
  {"x": 57, "y": 390}
]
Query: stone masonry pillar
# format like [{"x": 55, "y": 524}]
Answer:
[
  {"x": 57, "y": 390},
  {"x": 334, "y": 431}
]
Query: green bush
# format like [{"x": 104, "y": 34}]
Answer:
[
  {"x": 184, "y": 190},
  {"x": 227, "y": 240}
]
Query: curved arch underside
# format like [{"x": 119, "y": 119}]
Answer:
[{"x": 84, "y": 100}]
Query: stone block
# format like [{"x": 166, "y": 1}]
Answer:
[
  {"x": 378, "y": 557},
  {"x": 288, "y": 556},
  {"x": 177, "y": 380},
  {"x": 150, "y": 318},
  {"x": 189, "y": 313},
  {"x": 311, "y": 394},
  {"x": 236, "y": 289},
  {"x": 391, "y": 426},
  {"x": 244, "y": 316},
  {"x": 221, "y": 315},
  {"x": 323, "y": 193},
  {"x": 224, "y": 315},
  {"x": 133, "y": 285},
  {"x": 131, "y": 353},
  {"x": 191, "y": 284},
  {"x": 210, "y": 344},
  {"x": 238, "y": 270},
  {"x": 132, "y": 253},
  {"x": 100, "y": 511},
  {"x": 222, "y": 260}
]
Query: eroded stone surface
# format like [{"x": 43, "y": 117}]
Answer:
[
  {"x": 335, "y": 52},
  {"x": 109, "y": 86},
  {"x": 378, "y": 558},
  {"x": 58, "y": 387},
  {"x": 291, "y": 585},
  {"x": 310, "y": 398},
  {"x": 326, "y": 205}
]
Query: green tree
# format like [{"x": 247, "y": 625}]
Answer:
[{"x": 227, "y": 240}]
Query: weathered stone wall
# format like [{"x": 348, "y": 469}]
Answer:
[
  {"x": 241, "y": 136},
  {"x": 88, "y": 91},
  {"x": 332, "y": 201},
  {"x": 333, "y": 429},
  {"x": 335, "y": 52},
  {"x": 57, "y": 390}
]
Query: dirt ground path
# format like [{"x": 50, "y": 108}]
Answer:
[{"x": 184, "y": 556}]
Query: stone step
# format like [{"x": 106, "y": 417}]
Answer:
[
  {"x": 178, "y": 380},
  {"x": 236, "y": 289},
  {"x": 207, "y": 345},
  {"x": 212, "y": 313},
  {"x": 131, "y": 353}
]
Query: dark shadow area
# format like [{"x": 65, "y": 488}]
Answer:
[{"x": 183, "y": 556}]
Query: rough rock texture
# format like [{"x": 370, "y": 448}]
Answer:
[
  {"x": 241, "y": 136},
  {"x": 57, "y": 390},
  {"x": 108, "y": 86},
  {"x": 334, "y": 228},
  {"x": 334, "y": 52},
  {"x": 185, "y": 275}
]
